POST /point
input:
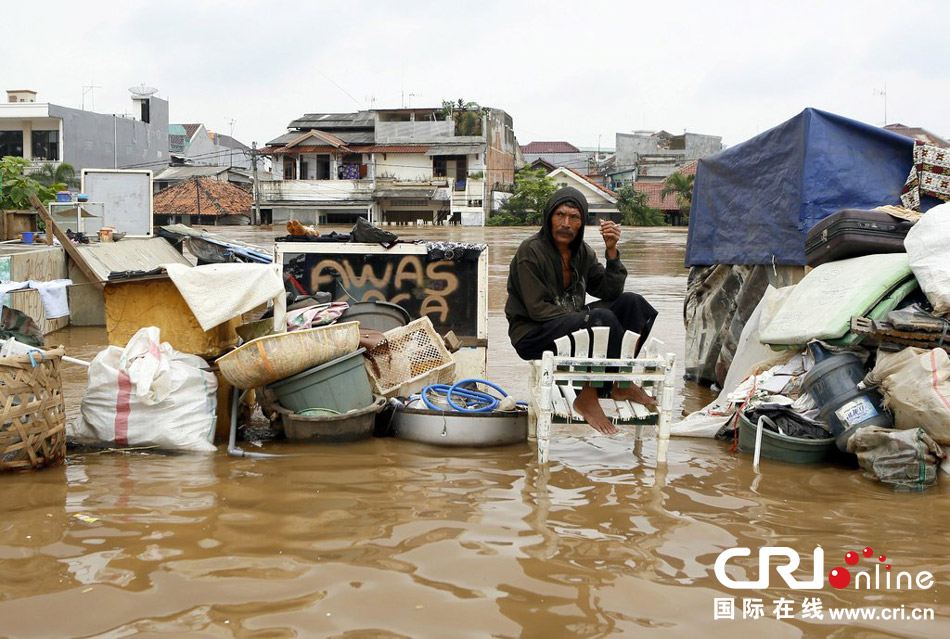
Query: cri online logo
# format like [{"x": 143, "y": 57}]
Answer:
[{"x": 839, "y": 577}]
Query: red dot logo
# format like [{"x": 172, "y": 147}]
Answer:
[
  {"x": 888, "y": 566},
  {"x": 839, "y": 578},
  {"x": 868, "y": 552},
  {"x": 882, "y": 559},
  {"x": 851, "y": 558}
]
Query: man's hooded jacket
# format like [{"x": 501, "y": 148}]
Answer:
[{"x": 536, "y": 290}]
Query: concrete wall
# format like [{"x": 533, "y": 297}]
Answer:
[
  {"x": 699, "y": 146},
  {"x": 404, "y": 166},
  {"x": 200, "y": 148},
  {"x": 101, "y": 141},
  {"x": 407, "y": 132}
]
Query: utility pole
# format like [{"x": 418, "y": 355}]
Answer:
[{"x": 256, "y": 213}]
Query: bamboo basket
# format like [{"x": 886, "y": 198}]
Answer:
[
  {"x": 269, "y": 359},
  {"x": 33, "y": 419}
]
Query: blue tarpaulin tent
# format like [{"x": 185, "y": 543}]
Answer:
[{"x": 754, "y": 203}]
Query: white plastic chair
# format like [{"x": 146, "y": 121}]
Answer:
[{"x": 581, "y": 360}]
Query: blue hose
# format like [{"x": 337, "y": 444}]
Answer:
[{"x": 475, "y": 401}]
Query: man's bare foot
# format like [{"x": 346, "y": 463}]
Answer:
[
  {"x": 632, "y": 393},
  {"x": 588, "y": 407}
]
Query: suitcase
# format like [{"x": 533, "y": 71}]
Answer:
[{"x": 852, "y": 233}]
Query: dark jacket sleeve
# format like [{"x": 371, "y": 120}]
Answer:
[
  {"x": 606, "y": 283},
  {"x": 535, "y": 292}
]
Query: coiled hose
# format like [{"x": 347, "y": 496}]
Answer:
[{"x": 473, "y": 401}]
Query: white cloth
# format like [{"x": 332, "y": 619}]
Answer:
[
  {"x": 53, "y": 294},
  {"x": 6, "y": 287},
  {"x": 216, "y": 293}
]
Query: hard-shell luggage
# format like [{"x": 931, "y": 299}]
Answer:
[{"x": 853, "y": 233}]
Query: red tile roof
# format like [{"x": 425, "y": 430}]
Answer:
[
  {"x": 918, "y": 133},
  {"x": 202, "y": 196},
  {"x": 190, "y": 129},
  {"x": 654, "y": 199},
  {"x": 549, "y": 147}
]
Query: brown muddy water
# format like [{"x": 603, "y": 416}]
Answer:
[{"x": 387, "y": 538}]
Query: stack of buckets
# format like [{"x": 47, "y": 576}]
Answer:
[{"x": 332, "y": 402}]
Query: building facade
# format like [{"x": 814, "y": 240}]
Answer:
[
  {"x": 49, "y": 133},
  {"x": 390, "y": 166},
  {"x": 645, "y": 156}
]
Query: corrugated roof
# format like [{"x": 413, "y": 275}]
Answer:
[
  {"x": 202, "y": 196},
  {"x": 376, "y": 148},
  {"x": 131, "y": 254},
  {"x": 334, "y": 120},
  {"x": 348, "y": 137},
  {"x": 228, "y": 141},
  {"x": 319, "y": 136},
  {"x": 549, "y": 147}
]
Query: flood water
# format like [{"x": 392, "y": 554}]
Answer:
[{"x": 387, "y": 538}]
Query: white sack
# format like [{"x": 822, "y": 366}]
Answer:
[
  {"x": 915, "y": 384},
  {"x": 928, "y": 250},
  {"x": 148, "y": 394}
]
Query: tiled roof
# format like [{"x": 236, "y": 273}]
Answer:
[
  {"x": 202, "y": 196},
  {"x": 689, "y": 168},
  {"x": 918, "y": 133},
  {"x": 190, "y": 129},
  {"x": 654, "y": 199},
  {"x": 549, "y": 147}
]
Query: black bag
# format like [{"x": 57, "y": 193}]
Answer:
[{"x": 363, "y": 231}]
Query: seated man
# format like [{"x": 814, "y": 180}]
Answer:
[{"x": 548, "y": 280}]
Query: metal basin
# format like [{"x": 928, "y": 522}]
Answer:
[{"x": 461, "y": 429}]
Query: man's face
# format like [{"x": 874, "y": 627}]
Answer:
[{"x": 566, "y": 222}]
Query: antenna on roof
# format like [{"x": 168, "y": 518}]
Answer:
[
  {"x": 883, "y": 92},
  {"x": 89, "y": 88}
]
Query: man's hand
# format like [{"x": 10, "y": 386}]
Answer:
[{"x": 610, "y": 231}]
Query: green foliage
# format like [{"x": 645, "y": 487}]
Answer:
[
  {"x": 532, "y": 190},
  {"x": 476, "y": 175},
  {"x": 682, "y": 186},
  {"x": 636, "y": 212},
  {"x": 467, "y": 116},
  {"x": 63, "y": 173},
  {"x": 16, "y": 187}
]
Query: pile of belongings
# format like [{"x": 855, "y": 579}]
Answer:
[{"x": 889, "y": 314}]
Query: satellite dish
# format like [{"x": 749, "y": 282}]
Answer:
[{"x": 142, "y": 91}]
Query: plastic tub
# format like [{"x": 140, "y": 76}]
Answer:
[
  {"x": 341, "y": 385},
  {"x": 64, "y": 196},
  {"x": 27, "y": 237},
  {"x": 376, "y": 316},
  {"x": 331, "y": 429},
  {"x": 782, "y": 447}
]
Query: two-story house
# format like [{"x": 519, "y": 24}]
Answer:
[
  {"x": 49, "y": 133},
  {"x": 390, "y": 166},
  {"x": 194, "y": 144}
]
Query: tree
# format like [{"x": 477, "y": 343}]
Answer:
[
  {"x": 16, "y": 187},
  {"x": 63, "y": 173},
  {"x": 532, "y": 190},
  {"x": 681, "y": 186},
  {"x": 466, "y": 115},
  {"x": 636, "y": 211}
]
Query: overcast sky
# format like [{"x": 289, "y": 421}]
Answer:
[{"x": 575, "y": 71}]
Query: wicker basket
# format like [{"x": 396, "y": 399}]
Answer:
[
  {"x": 409, "y": 359},
  {"x": 33, "y": 420},
  {"x": 265, "y": 360}
]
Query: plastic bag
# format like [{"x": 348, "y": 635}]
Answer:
[
  {"x": 915, "y": 384},
  {"x": 928, "y": 251},
  {"x": 902, "y": 459},
  {"x": 148, "y": 394}
]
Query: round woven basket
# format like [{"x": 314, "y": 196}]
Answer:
[
  {"x": 33, "y": 419},
  {"x": 265, "y": 360}
]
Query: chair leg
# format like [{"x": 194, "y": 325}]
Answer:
[
  {"x": 544, "y": 406},
  {"x": 666, "y": 411}
]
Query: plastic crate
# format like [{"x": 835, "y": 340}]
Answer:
[{"x": 409, "y": 359}]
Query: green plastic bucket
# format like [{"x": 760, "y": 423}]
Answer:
[
  {"x": 782, "y": 447},
  {"x": 340, "y": 384}
]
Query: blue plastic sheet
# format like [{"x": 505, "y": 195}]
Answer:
[{"x": 755, "y": 202}]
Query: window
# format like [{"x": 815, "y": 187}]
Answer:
[
  {"x": 45, "y": 145},
  {"x": 438, "y": 166},
  {"x": 290, "y": 168},
  {"x": 11, "y": 143}
]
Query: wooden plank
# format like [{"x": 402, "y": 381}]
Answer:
[
  {"x": 559, "y": 404},
  {"x": 639, "y": 410},
  {"x": 563, "y": 345},
  {"x": 51, "y": 226},
  {"x": 623, "y": 409},
  {"x": 570, "y": 396}
]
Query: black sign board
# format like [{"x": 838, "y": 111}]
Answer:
[{"x": 445, "y": 290}]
